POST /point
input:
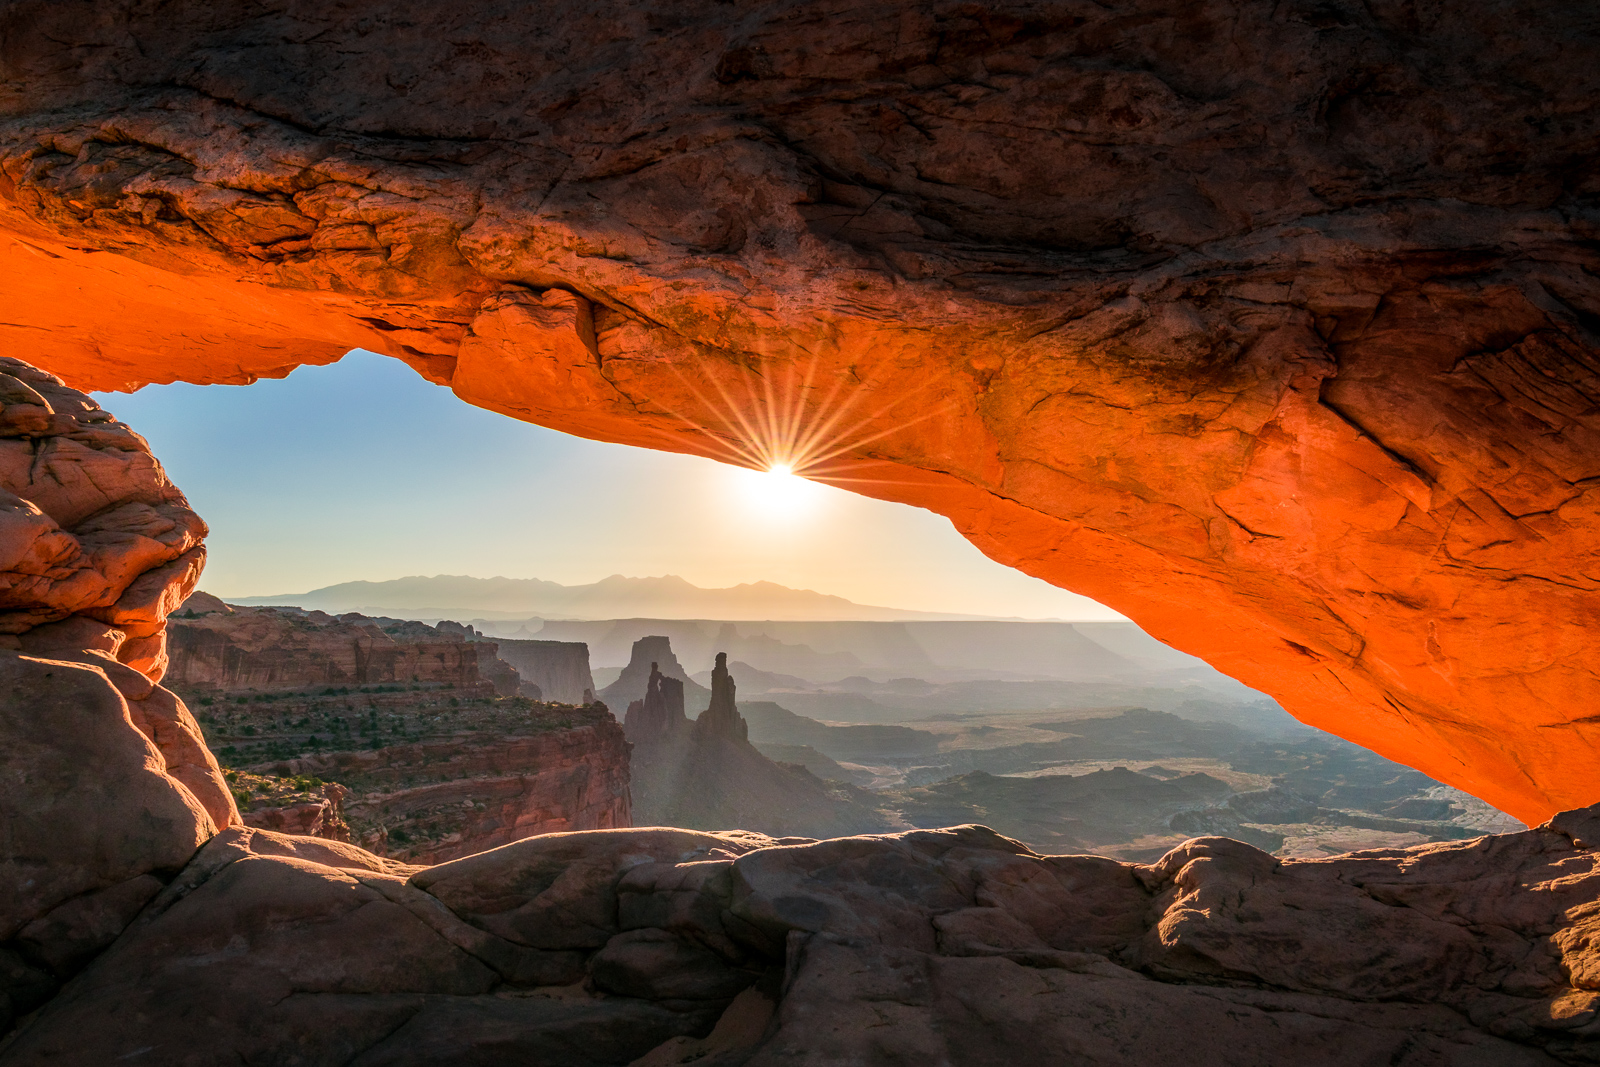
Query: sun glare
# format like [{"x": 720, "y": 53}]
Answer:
[
  {"x": 777, "y": 492},
  {"x": 791, "y": 433}
]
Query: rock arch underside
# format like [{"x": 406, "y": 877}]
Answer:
[{"x": 1273, "y": 325}]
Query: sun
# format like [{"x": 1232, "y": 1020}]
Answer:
[{"x": 777, "y": 492}]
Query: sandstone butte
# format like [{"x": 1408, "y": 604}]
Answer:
[{"x": 1272, "y": 325}]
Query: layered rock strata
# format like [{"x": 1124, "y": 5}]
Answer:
[
  {"x": 458, "y": 794},
  {"x": 934, "y": 946},
  {"x": 1270, "y": 325},
  {"x": 267, "y": 649},
  {"x": 98, "y": 546},
  {"x": 422, "y": 724},
  {"x": 505, "y": 678}
]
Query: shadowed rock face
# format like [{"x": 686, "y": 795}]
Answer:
[
  {"x": 934, "y": 946},
  {"x": 1271, "y": 325},
  {"x": 721, "y": 717},
  {"x": 659, "y": 712},
  {"x": 560, "y": 669}
]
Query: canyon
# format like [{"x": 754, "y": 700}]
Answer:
[
  {"x": 413, "y": 741},
  {"x": 1270, "y": 326}
]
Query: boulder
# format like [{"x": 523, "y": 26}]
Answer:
[
  {"x": 99, "y": 547},
  {"x": 91, "y": 821},
  {"x": 559, "y": 891},
  {"x": 88, "y": 803},
  {"x": 653, "y": 964}
]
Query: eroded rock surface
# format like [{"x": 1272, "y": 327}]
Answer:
[
  {"x": 457, "y": 793},
  {"x": 660, "y": 946},
  {"x": 1270, "y": 325},
  {"x": 98, "y": 546},
  {"x": 93, "y": 818}
]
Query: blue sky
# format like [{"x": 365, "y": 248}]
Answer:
[{"x": 363, "y": 470}]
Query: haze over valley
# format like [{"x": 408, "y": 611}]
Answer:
[
  {"x": 666, "y": 597},
  {"x": 1086, "y": 737}
]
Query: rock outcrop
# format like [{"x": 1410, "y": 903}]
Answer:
[
  {"x": 505, "y": 678},
  {"x": 94, "y": 816},
  {"x": 658, "y": 716},
  {"x": 276, "y": 648},
  {"x": 1270, "y": 325},
  {"x": 305, "y": 807},
  {"x": 721, "y": 719},
  {"x": 120, "y": 941},
  {"x": 704, "y": 773},
  {"x": 423, "y": 726},
  {"x": 106, "y": 783},
  {"x": 664, "y": 946},
  {"x": 99, "y": 546}
]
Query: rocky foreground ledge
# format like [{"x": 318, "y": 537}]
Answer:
[{"x": 663, "y": 946}]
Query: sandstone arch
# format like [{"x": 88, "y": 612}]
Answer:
[{"x": 1272, "y": 325}]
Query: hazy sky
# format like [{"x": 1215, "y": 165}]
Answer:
[{"x": 363, "y": 470}]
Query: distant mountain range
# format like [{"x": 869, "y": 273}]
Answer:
[{"x": 616, "y": 597}]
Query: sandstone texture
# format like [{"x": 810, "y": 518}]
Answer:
[
  {"x": 660, "y": 946},
  {"x": 97, "y": 546},
  {"x": 1271, "y": 325},
  {"x": 106, "y": 783}
]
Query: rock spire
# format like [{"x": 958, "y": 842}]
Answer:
[{"x": 722, "y": 718}]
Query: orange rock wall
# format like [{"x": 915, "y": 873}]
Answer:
[{"x": 1270, "y": 325}]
